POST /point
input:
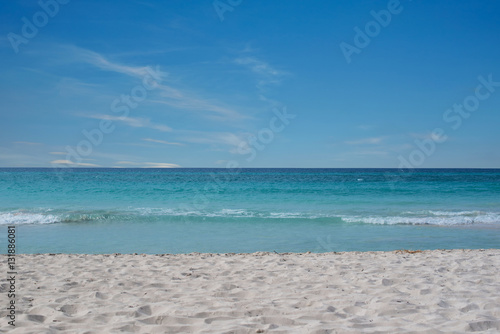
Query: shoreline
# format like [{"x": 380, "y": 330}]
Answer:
[
  {"x": 263, "y": 292},
  {"x": 263, "y": 253}
]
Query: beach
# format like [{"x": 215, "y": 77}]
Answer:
[{"x": 352, "y": 292}]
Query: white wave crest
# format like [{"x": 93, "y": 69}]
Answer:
[
  {"x": 18, "y": 218},
  {"x": 443, "y": 218}
]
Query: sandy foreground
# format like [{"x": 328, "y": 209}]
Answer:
[{"x": 371, "y": 292}]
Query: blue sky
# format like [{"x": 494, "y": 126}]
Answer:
[{"x": 251, "y": 83}]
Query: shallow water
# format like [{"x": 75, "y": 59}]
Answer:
[{"x": 247, "y": 210}]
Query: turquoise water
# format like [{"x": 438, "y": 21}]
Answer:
[{"x": 248, "y": 210}]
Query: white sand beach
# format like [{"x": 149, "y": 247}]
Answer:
[{"x": 370, "y": 292}]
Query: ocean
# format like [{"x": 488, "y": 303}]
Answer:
[{"x": 248, "y": 210}]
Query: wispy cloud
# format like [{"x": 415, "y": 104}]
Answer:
[
  {"x": 259, "y": 66},
  {"x": 73, "y": 87},
  {"x": 148, "y": 164},
  {"x": 70, "y": 163},
  {"x": 365, "y": 126},
  {"x": 160, "y": 165},
  {"x": 267, "y": 75},
  {"x": 428, "y": 135},
  {"x": 366, "y": 141},
  {"x": 27, "y": 143},
  {"x": 166, "y": 94},
  {"x": 216, "y": 139},
  {"x": 363, "y": 153},
  {"x": 126, "y": 163},
  {"x": 177, "y": 99},
  {"x": 132, "y": 121},
  {"x": 162, "y": 141},
  {"x": 97, "y": 60}
]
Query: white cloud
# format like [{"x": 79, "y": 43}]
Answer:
[
  {"x": 160, "y": 165},
  {"x": 216, "y": 139},
  {"x": 73, "y": 87},
  {"x": 131, "y": 121},
  {"x": 126, "y": 163},
  {"x": 27, "y": 143},
  {"x": 366, "y": 126},
  {"x": 148, "y": 164},
  {"x": 58, "y": 153},
  {"x": 428, "y": 135},
  {"x": 70, "y": 163},
  {"x": 177, "y": 99},
  {"x": 168, "y": 95},
  {"x": 95, "y": 59},
  {"x": 266, "y": 73},
  {"x": 162, "y": 141},
  {"x": 258, "y": 66},
  {"x": 366, "y": 141},
  {"x": 368, "y": 153}
]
